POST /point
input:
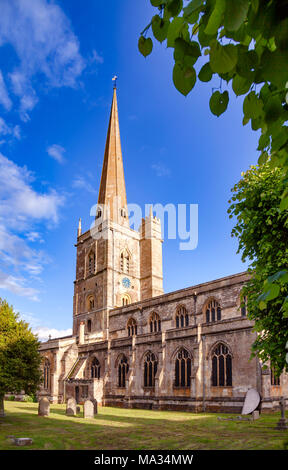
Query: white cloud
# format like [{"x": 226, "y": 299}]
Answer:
[
  {"x": 45, "y": 44},
  {"x": 21, "y": 208},
  {"x": 8, "y": 132},
  {"x": 19, "y": 201},
  {"x": 4, "y": 97},
  {"x": 98, "y": 59},
  {"x": 161, "y": 169},
  {"x": 43, "y": 332},
  {"x": 80, "y": 182},
  {"x": 56, "y": 151},
  {"x": 17, "y": 285}
]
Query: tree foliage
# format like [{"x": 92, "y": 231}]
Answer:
[
  {"x": 262, "y": 231},
  {"x": 19, "y": 356},
  {"x": 244, "y": 44}
]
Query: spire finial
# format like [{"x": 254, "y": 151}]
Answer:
[
  {"x": 114, "y": 79},
  {"x": 79, "y": 231}
]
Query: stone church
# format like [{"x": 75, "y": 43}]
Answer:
[{"x": 134, "y": 346}]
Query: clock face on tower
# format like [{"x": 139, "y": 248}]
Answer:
[{"x": 126, "y": 282}]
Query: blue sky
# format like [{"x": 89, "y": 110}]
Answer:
[{"x": 57, "y": 59}]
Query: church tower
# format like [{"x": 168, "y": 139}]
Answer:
[{"x": 115, "y": 265}]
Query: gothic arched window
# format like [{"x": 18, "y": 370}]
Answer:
[
  {"x": 90, "y": 303},
  {"x": 91, "y": 263},
  {"x": 182, "y": 318},
  {"x": 125, "y": 300},
  {"x": 95, "y": 369},
  {"x": 125, "y": 262},
  {"x": 213, "y": 311},
  {"x": 46, "y": 374},
  {"x": 150, "y": 369},
  {"x": 183, "y": 365},
  {"x": 132, "y": 327},
  {"x": 243, "y": 306},
  {"x": 221, "y": 366},
  {"x": 155, "y": 323},
  {"x": 123, "y": 368}
]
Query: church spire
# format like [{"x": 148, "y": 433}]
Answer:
[{"x": 112, "y": 191}]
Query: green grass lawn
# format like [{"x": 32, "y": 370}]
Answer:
[{"x": 115, "y": 428}]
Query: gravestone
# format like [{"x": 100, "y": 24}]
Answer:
[
  {"x": 251, "y": 402},
  {"x": 22, "y": 441},
  {"x": 78, "y": 409},
  {"x": 71, "y": 407},
  {"x": 282, "y": 423},
  {"x": 88, "y": 408},
  {"x": 94, "y": 401},
  {"x": 255, "y": 415},
  {"x": 44, "y": 407}
]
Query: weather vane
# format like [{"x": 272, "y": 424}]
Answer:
[{"x": 114, "y": 79}]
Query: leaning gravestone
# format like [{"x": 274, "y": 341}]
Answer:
[
  {"x": 88, "y": 408},
  {"x": 251, "y": 402},
  {"x": 44, "y": 407},
  {"x": 282, "y": 424},
  {"x": 71, "y": 407}
]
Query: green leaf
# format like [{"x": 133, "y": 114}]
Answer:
[
  {"x": 157, "y": 3},
  {"x": 264, "y": 141},
  {"x": 284, "y": 203},
  {"x": 241, "y": 85},
  {"x": 273, "y": 109},
  {"x": 252, "y": 106},
  {"x": 184, "y": 79},
  {"x": 177, "y": 28},
  {"x": 263, "y": 158},
  {"x": 218, "y": 102},
  {"x": 186, "y": 52},
  {"x": 145, "y": 46},
  {"x": 174, "y": 6},
  {"x": 235, "y": 14},
  {"x": 160, "y": 28},
  {"x": 279, "y": 276},
  {"x": 274, "y": 67},
  {"x": 205, "y": 73},
  {"x": 273, "y": 292},
  {"x": 194, "y": 5},
  {"x": 222, "y": 58},
  {"x": 215, "y": 19}
]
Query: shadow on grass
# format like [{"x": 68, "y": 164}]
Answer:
[
  {"x": 155, "y": 416},
  {"x": 155, "y": 431}
]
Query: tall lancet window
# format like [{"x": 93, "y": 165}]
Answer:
[
  {"x": 123, "y": 368},
  {"x": 182, "y": 318},
  {"x": 91, "y": 263},
  {"x": 183, "y": 368},
  {"x": 150, "y": 369},
  {"x": 221, "y": 366},
  {"x": 95, "y": 369},
  {"x": 46, "y": 374},
  {"x": 155, "y": 322},
  {"x": 125, "y": 262},
  {"x": 213, "y": 311}
]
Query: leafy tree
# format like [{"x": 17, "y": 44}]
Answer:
[
  {"x": 19, "y": 357},
  {"x": 244, "y": 44},
  {"x": 262, "y": 231}
]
